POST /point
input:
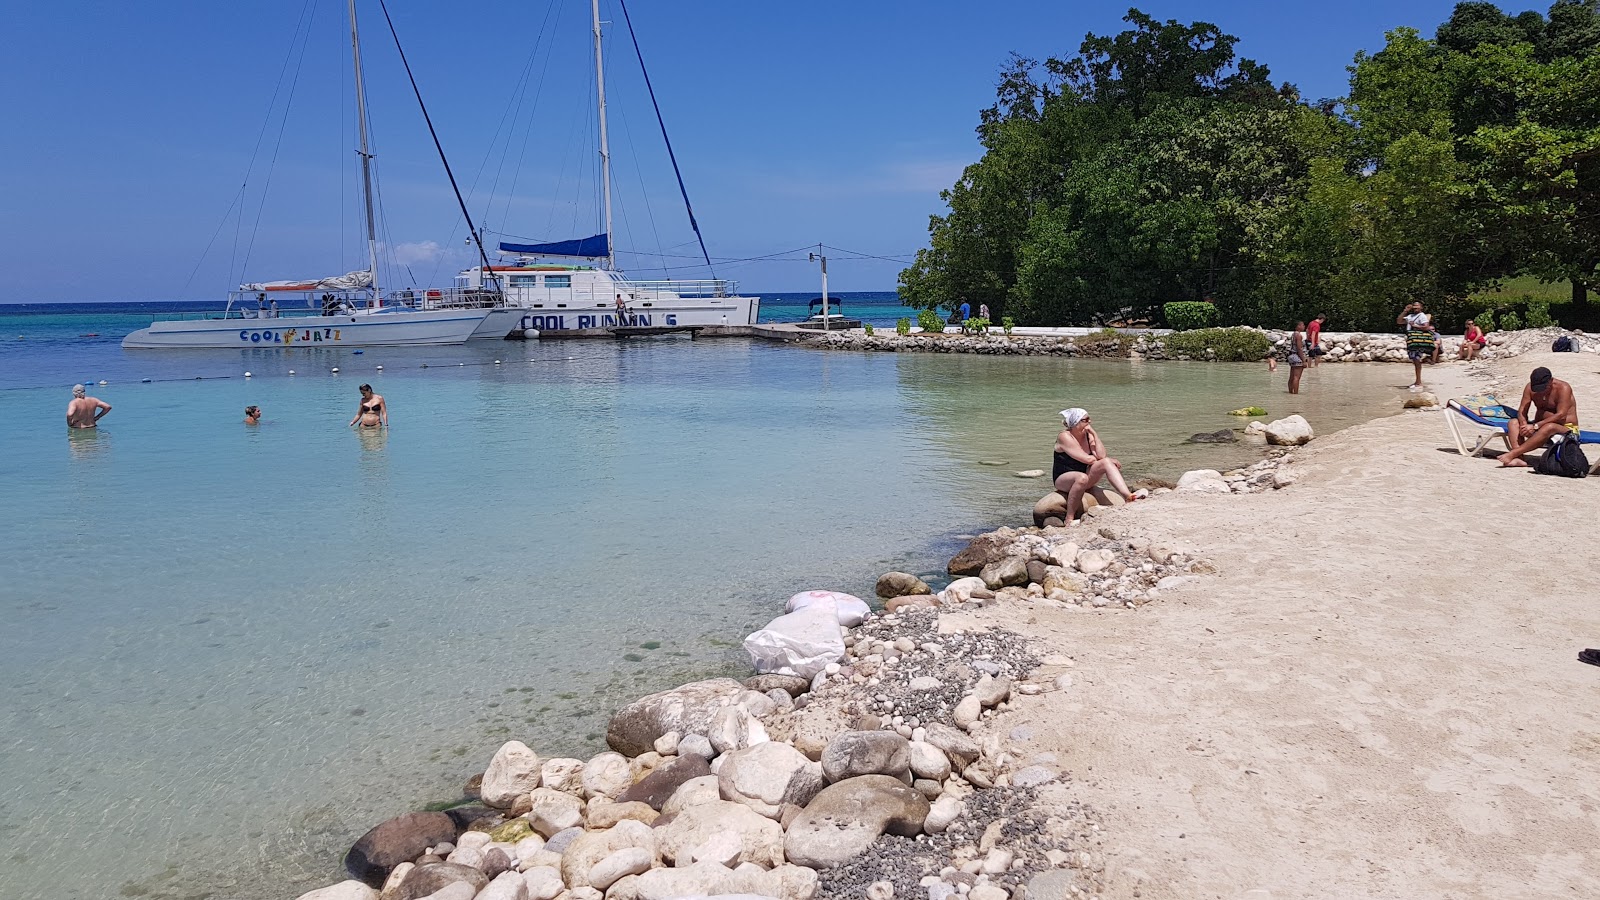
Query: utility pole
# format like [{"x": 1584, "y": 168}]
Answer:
[{"x": 815, "y": 257}]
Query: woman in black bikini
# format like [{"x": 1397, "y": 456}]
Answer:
[
  {"x": 372, "y": 412},
  {"x": 1081, "y": 461}
]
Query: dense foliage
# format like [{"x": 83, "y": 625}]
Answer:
[
  {"x": 1158, "y": 167},
  {"x": 1226, "y": 344},
  {"x": 1186, "y": 314}
]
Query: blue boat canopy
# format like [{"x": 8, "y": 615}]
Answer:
[{"x": 592, "y": 247}]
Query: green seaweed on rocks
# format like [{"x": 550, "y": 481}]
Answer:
[{"x": 1248, "y": 411}]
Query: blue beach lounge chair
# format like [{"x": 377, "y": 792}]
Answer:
[{"x": 1486, "y": 411}]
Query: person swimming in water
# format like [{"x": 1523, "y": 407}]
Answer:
[
  {"x": 373, "y": 412},
  {"x": 252, "y": 415},
  {"x": 1081, "y": 461}
]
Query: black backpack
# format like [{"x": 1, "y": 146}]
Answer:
[
  {"x": 1564, "y": 344},
  {"x": 1565, "y": 458}
]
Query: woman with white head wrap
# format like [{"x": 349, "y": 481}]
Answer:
[{"x": 1081, "y": 461}]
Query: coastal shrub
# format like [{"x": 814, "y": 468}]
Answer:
[
  {"x": 1189, "y": 314},
  {"x": 1008, "y": 323},
  {"x": 930, "y": 321},
  {"x": 1229, "y": 344},
  {"x": 1485, "y": 320},
  {"x": 1510, "y": 321},
  {"x": 903, "y": 326},
  {"x": 1105, "y": 342},
  {"x": 1539, "y": 315},
  {"x": 867, "y": 327},
  {"x": 976, "y": 326}
]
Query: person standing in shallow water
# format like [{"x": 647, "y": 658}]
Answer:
[
  {"x": 372, "y": 412},
  {"x": 84, "y": 411},
  {"x": 1298, "y": 354}
]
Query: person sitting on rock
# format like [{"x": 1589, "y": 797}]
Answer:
[
  {"x": 1081, "y": 461},
  {"x": 1555, "y": 412}
]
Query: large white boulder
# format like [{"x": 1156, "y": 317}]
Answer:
[
  {"x": 766, "y": 776},
  {"x": 344, "y": 890},
  {"x": 800, "y": 643},
  {"x": 1203, "y": 481},
  {"x": 514, "y": 771},
  {"x": 1291, "y": 431}
]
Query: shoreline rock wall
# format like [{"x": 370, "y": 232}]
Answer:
[{"x": 1340, "y": 346}]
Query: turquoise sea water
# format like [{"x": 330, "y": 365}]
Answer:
[{"x": 231, "y": 650}]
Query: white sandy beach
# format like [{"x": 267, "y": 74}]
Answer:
[{"x": 1377, "y": 697}]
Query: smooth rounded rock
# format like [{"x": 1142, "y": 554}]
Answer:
[
  {"x": 505, "y": 886},
  {"x": 928, "y": 761},
  {"x": 854, "y": 753},
  {"x": 591, "y": 847},
  {"x": 1091, "y": 561},
  {"x": 512, "y": 772},
  {"x": 396, "y": 841},
  {"x": 687, "y": 710},
  {"x": 543, "y": 883},
  {"x": 695, "y": 791},
  {"x": 761, "y": 838},
  {"x": 344, "y": 890},
  {"x": 654, "y": 789},
  {"x": 992, "y": 691},
  {"x": 766, "y": 776},
  {"x": 941, "y": 813},
  {"x": 628, "y": 861},
  {"x": 565, "y": 775},
  {"x": 434, "y": 877},
  {"x": 842, "y": 821},
  {"x": 606, "y": 775},
  {"x": 705, "y": 879},
  {"x": 900, "y": 584},
  {"x": 698, "y": 745},
  {"x": 793, "y": 685},
  {"x": 554, "y": 811},
  {"x": 967, "y": 712}
]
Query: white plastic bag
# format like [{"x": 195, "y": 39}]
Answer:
[
  {"x": 800, "y": 643},
  {"x": 851, "y": 609}
]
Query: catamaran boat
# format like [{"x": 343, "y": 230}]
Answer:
[
  {"x": 550, "y": 299},
  {"x": 346, "y": 310},
  {"x": 330, "y": 312},
  {"x": 574, "y": 285}
]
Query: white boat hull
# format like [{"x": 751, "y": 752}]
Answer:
[
  {"x": 380, "y": 328},
  {"x": 671, "y": 313}
]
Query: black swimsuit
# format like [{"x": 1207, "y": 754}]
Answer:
[{"x": 1066, "y": 463}]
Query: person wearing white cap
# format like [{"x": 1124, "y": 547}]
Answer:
[
  {"x": 1081, "y": 461},
  {"x": 84, "y": 411}
]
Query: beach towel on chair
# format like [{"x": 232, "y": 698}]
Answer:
[{"x": 1487, "y": 406}]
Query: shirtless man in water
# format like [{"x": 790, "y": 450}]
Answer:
[
  {"x": 1555, "y": 412},
  {"x": 85, "y": 411}
]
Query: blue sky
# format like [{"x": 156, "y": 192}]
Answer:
[{"x": 131, "y": 127}]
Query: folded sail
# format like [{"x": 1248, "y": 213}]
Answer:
[
  {"x": 351, "y": 281},
  {"x": 592, "y": 247}
]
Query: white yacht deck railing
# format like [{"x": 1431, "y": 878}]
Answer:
[{"x": 710, "y": 287}]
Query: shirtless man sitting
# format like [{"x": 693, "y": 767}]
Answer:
[
  {"x": 1555, "y": 412},
  {"x": 85, "y": 411}
]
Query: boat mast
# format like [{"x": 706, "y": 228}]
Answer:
[
  {"x": 605, "y": 148},
  {"x": 366, "y": 155}
]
